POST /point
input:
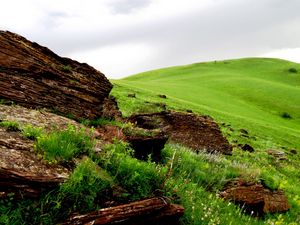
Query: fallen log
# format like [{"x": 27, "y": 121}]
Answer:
[
  {"x": 150, "y": 211},
  {"x": 35, "y": 77}
]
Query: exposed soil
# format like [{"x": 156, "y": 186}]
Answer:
[{"x": 200, "y": 133}]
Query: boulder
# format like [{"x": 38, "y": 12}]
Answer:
[
  {"x": 35, "y": 77},
  {"x": 200, "y": 133},
  {"x": 254, "y": 198}
]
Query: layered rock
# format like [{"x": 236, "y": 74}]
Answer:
[
  {"x": 200, "y": 133},
  {"x": 146, "y": 212},
  {"x": 254, "y": 198},
  {"x": 22, "y": 172},
  {"x": 33, "y": 76}
]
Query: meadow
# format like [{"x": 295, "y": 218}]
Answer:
[{"x": 259, "y": 95}]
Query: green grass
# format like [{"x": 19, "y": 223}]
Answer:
[
  {"x": 32, "y": 132},
  {"x": 139, "y": 178},
  {"x": 259, "y": 95},
  {"x": 64, "y": 145},
  {"x": 10, "y": 125},
  {"x": 247, "y": 93}
]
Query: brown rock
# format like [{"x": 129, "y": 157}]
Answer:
[
  {"x": 162, "y": 96},
  {"x": 146, "y": 212},
  {"x": 197, "y": 132},
  {"x": 21, "y": 171},
  {"x": 131, "y": 95},
  {"x": 246, "y": 147},
  {"x": 33, "y": 76},
  {"x": 293, "y": 151},
  {"x": 147, "y": 144},
  {"x": 280, "y": 155},
  {"x": 254, "y": 198},
  {"x": 111, "y": 109}
]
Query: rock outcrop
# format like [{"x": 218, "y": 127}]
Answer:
[
  {"x": 254, "y": 198},
  {"x": 146, "y": 212},
  {"x": 35, "y": 77},
  {"x": 21, "y": 171},
  {"x": 196, "y": 132}
]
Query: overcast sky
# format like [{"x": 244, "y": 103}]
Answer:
[{"x": 123, "y": 37}]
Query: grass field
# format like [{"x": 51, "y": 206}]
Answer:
[
  {"x": 250, "y": 93},
  {"x": 260, "y": 95}
]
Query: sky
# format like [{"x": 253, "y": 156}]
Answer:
[{"x": 124, "y": 37}]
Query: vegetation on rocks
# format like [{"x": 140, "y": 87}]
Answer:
[{"x": 239, "y": 94}]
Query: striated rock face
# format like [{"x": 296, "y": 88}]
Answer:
[
  {"x": 255, "y": 198},
  {"x": 145, "y": 212},
  {"x": 196, "y": 132},
  {"x": 21, "y": 171},
  {"x": 33, "y": 76}
]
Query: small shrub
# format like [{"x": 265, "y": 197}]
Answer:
[
  {"x": 62, "y": 146},
  {"x": 32, "y": 132},
  {"x": 293, "y": 70},
  {"x": 10, "y": 125},
  {"x": 285, "y": 115}
]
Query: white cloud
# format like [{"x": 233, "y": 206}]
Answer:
[
  {"x": 291, "y": 54},
  {"x": 115, "y": 61},
  {"x": 163, "y": 32}
]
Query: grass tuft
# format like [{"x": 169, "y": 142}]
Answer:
[
  {"x": 10, "y": 125},
  {"x": 62, "y": 146}
]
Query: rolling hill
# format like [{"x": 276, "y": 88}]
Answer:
[{"x": 258, "y": 94}]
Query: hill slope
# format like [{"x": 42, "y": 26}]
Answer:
[{"x": 253, "y": 93}]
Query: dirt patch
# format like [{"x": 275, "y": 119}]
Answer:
[{"x": 200, "y": 133}]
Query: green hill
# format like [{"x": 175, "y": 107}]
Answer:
[
  {"x": 259, "y": 95},
  {"x": 253, "y": 93}
]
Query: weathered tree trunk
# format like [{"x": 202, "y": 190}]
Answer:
[
  {"x": 149, "y": 211},
  {"x": 35, "y": 77}
]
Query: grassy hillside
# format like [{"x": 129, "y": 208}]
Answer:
[
  {"x": 255, "y": 94},
  {"x": 259, "y": 95}
]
